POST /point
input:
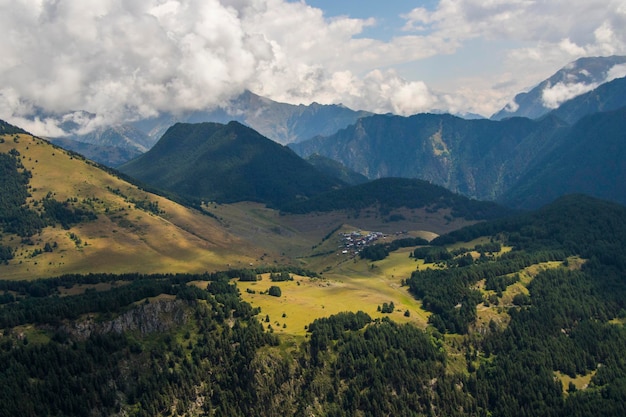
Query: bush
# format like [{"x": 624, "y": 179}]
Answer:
[{"x": 274, "y": 291}]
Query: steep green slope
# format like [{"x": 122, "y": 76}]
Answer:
[
  {"x": 590, "y": 159},
  {"x": 60, "y": 213},
  {"x": 390, "y": 193},
  {"x": 227, "y": 163},
  {"x": 477, "y": 158}
]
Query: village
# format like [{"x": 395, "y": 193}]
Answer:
[{"x": 353, "y": 242}]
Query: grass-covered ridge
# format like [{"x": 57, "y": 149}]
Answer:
[{"x": 70, "y": 215}]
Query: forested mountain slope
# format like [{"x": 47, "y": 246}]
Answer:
[
  {"x": 590, "y": 159},
  {"x": 476, "y": 158},
  {"x": 607, "y": 97},
  {"x": 227, "y": 163},
  {"x": 527, "y": 318}
]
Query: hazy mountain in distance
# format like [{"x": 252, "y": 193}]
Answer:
[
  {"x": 574, "y": 79},
  {"x": 111, "y": 156},
  {"x": 108, "y": 145},
  {"x": 121, "y": 136},
  {"x": 283, "y": 123}
]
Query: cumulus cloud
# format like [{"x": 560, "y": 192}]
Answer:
[
  {"x": 124, "y": 60},
  {"x": 552, "y": 97},
  {"x": 618, "y": 71},
  {"x": 542, "y": 36}
]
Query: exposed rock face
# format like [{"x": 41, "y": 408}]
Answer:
[{"x": 156, "y": 316}]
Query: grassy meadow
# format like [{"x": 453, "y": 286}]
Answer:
[
  {"x": 352, "y": 287},
  {"x": 123, "y": 238}
]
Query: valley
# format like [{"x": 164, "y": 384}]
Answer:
[{"x": 221, "y": 274}]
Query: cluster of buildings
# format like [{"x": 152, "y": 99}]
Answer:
[{"x": 353, "y": 242}]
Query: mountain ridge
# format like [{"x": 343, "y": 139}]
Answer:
[
  {"x": 124, "y": 229},
  {"x": 227, "y": 163},
  {"x": 477, "y": 158},
  {"x": 576, "y": 78}
]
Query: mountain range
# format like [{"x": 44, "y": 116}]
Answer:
[
  {"x": 493, "y": 160},
  {"x": 479, "y": 158},
  {"x": 284, "y": 123}
]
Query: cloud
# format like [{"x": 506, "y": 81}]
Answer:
[
  {"x": 130, "y": 59},
  {"x": 555, "y": 95},
  {"x": 618, "y": 71},
  {"x": 540, "y": 36},
  {"x": 126, "y": 59},
  {"x": 552, "y": 97}
]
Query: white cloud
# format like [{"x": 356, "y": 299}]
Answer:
[
  {"x": 618, "y": 71},
  {"x": 559, "y": 93},
  {"x": 128, "y": 59}
]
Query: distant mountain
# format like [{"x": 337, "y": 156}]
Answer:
[
  {"x": 577, "y": 78},
  {"x": 336, "y": 169},
  {"x": 121, "y": 136},
  {"x": 283, "y": 123},
  {"x": 607, "y": 97},
  {"x": 590, "y": 159},
  {"x": 476, "y": 158},
  {"x": 111, "y": 156},
  {"x": 227, "y": 163},
  {"x": 110, "y": 146}
]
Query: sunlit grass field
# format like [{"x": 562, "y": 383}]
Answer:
[{"x": 354, "y": 286}]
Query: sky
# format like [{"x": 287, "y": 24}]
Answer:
[{"x": 125, "y": 60}]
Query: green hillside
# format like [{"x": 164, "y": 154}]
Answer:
[
  {"x": 391, "y": 193},
  {"x": 526, "y": 317},
  {"x": 227, "y": 163},
  {"x": 60, "y": 213}
]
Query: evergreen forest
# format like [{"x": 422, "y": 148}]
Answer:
[{"x": 187, "y": 344}]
